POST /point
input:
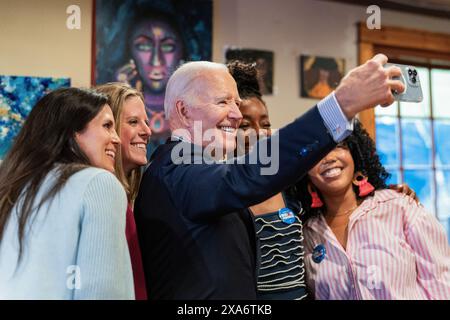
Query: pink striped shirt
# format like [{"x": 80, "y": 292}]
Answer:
[{"x": 395, "y": 250}]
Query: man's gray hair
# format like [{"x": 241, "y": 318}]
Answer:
[{"x": 179, "y": 86}]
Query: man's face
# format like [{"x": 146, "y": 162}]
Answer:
[{"x": 216, "y": 106}]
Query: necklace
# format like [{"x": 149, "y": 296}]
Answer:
[{"x": 345, "y": 212}]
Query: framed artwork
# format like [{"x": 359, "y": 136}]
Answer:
[
  {"x": 18, "y": 95},
  {"x": 264, "y": 65},
  {"x": 142, "y": 42},
  {"x": 320, "y": 75}
]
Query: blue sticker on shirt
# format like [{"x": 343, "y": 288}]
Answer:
[
  {"x": 286, "y": 215},
  {"x": 319, "y": 253}
]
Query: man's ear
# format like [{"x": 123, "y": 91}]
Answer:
[{"x": 182, "y": 113}]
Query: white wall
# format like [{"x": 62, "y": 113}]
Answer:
[
  {"x": 36, "y": 42},
  {"x": 294, "y": 27}
]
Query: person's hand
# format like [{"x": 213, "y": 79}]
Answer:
[
  {"x": 127, "y": 72},
  {"x": 367, "y": 86},
  {"x": 406, "y": 190}
]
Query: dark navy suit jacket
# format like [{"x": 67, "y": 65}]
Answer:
[{"x": 196, "y": 235}]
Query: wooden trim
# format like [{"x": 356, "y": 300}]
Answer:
[
  {"x": 417, "y": 57},
  {"x": 402, "y": 7},
  {"x": 405, "y": 38},
  {"x": 399, "y": 43},
  {"x": 367, "y": 117}
]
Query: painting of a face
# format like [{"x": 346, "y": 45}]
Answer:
[
  {"x": 320, "y": 75},
  {"x": 142, "y": 42},
  {"x": 157, "y": 50}
]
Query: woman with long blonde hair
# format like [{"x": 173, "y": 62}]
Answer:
[{"x": 133, "y": 129}]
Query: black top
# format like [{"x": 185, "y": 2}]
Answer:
[
  {"x": 280, "y": 253},
  {"x": 195, "y": 232}
]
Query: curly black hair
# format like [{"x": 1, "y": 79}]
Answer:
[
  {"x": 245, "y": 75},
  {"x": 367, "y": 161}
]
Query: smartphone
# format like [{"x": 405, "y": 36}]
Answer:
[{"x": 411, "y": 80}]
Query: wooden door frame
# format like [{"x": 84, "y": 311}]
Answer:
[{"x": 395, "y": 39}]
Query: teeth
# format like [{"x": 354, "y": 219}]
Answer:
[
  {"x": 227, "y": 129},
  {"x": 110, "y": 153},
  {"x": 332, "y": 172},
  {"x": 140, "y": 145}
]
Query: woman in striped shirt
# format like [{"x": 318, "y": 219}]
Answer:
[{"x": 363, "y": 241}]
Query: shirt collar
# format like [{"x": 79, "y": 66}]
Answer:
[{"x": 319, "y": 224}]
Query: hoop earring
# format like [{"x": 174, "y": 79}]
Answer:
[
  {"x": 316, "y": 201},
  {"x": 362, "y": 182}
]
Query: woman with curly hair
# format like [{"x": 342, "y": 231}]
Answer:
[
  {"x": 279, "y": 267},
  {"x": 363, "y": 241},
  {"x": 280, "y": 264}
]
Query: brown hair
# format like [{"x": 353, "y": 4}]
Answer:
[
  {"x": 118, "y": 93},
  {"x": 45, "y": 142}
]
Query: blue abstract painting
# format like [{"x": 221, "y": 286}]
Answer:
[{"x": 18, "y": 95}]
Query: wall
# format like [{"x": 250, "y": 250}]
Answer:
[
  {"x": 35, "y": 40},
  {"x": 294, "y": 27}
]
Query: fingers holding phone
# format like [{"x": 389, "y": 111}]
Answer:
[{"x": 409, "y": 77}]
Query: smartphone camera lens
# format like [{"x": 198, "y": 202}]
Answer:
[
  {"x": 415, "y": 72},
  {"x": 413, "y": 80},
  {"x": 410, "y": 72}
]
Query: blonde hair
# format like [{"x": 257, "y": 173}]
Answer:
[{"x": 118, "y": 93}]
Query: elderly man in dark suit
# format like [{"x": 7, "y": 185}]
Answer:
[{"x": 196, "y": 238}]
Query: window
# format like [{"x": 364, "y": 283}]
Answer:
[{"x": 413, "y": 141}]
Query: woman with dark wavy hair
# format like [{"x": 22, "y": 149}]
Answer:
[
  {"x": 280, "y": 267},
  {"x": 363, "y": 241},
  {"x": 62, "y": 211}
]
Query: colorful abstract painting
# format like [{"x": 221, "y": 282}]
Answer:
[
  {"x": 142, "y": 42},
  {"x": 18, "y": 95}
]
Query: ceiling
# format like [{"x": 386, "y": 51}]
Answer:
[{"x": 436, "y": 8}]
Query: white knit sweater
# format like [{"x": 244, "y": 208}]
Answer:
[{"x": 74, "y": 246}]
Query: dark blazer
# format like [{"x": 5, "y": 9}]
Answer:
[{"x": 196, "y": 236}]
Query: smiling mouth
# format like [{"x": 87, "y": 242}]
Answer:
[
  {"x": 332, "y": 172},
  {"x": 227, "y": 129},
  {"x": 141, "y": 146},
  {"x": 111, "y": 153}
]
